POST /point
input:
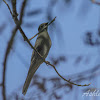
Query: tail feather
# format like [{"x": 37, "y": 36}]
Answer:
[{"x": 31, "y": 72}]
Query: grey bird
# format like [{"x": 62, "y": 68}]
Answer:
[{"x": 42, "y": 45}]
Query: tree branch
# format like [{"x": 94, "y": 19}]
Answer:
[
  {"x": 64, "y": 78},
  {"x": 8, "y": 7},
  {"x": 25, "y": 38},
  {"x": 4, "y": 64},
  {"x": 9, "y": 47}
]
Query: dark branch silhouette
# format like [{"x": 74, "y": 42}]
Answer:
[
  {"x": 14, "y": 15},
  {"x": 10, "y": 43}
]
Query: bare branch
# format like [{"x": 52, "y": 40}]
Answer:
[
  {"x": 22, "y": 10},
  {"x": 14, "y": 8},
  {"x": 64, "y": 78},
  {"x": 4, "y": 63},
  {"x": 8, "y": 7},
  {"x": 10, "y": 45},
  {"x": 25, "y": 38},
  {"x": 21, "y": 31}
]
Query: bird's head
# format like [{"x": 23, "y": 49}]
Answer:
[{"x": 41, "y": 27}]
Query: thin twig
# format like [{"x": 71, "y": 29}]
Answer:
[
  {"x": 33, "y": 36},
  {"x": 4, "y": 63},
  {"x": 14, "y": 8},
  {"x": 64, "y": 78},
  {"x": 25, "y": 38},
  {"x": 20, "y": 29},
  {"x": 8, "y": 7},
  {"x": 11, "y": 41},
  {"x": 52, "y": 21},
  {"x": 42, "y": 29},
  {"x": 22, "y": 10}
]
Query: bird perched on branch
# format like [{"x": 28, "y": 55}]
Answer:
[{"x": 42, "y": 45}]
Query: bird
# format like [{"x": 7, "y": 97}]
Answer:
[{"x": 42, "y": 45}]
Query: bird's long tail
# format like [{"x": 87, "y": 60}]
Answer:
[{"x": 31, "y": 72}]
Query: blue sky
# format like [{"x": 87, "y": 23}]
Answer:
[{"x": 73, "y": 26}]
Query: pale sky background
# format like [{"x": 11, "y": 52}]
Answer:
[{"x": 74, "y": 23}]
